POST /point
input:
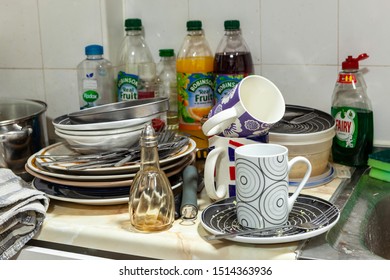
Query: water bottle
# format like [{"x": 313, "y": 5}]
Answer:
[
  {"x": 136, "y": 77},
  {"x": 352, "y": 110},
  {"x": 167, "y": 86},
  {"x": 95, "y": 79},
  {"x": 232, "y": 61}
]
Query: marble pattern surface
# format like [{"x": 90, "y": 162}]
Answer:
[{"x": 108, "y": 228}]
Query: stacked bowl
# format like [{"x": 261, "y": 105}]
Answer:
[{"x": 111, "y": 126}]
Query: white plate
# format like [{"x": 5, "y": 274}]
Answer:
[
  {"x": 63, "y": 122},
  {"x": 32, "y": 165},
  {"x": 98, "y": 201},
  {"x": 62, "y": 149},
  {"x": 105, "y": 183},
  {"x": 87, "y": 144},
  {"x": 108, "y": 201},
  {"x": 220, "y": 217},
  {"x": 100, "y": 132}
]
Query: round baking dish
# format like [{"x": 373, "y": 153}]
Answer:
[{"x": 311, "y": 138}]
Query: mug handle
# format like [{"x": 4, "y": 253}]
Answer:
[
  {"x": 291, "y": 199},
  {"x": 209, "y": 167},
  {"x": 220, "y": 121}
]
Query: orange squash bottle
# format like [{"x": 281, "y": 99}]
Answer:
[{"x": 195, "y": 82}]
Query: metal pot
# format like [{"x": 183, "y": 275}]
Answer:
[{"x": 23, "y": 132}]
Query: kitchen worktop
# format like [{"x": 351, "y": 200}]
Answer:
[{"x": 108, "y": 229}]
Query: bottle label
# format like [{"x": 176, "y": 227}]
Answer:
[
  {"x": 195, "y": 98},
  {"x": 346, "y": 126},
  {"x": 90, "y": 95},
  {"x": 347, "y": 78},
  {"x": 127, "y": 86},
  {"x": 89, "y": 82},
  {"x": 224, "y": 84}
]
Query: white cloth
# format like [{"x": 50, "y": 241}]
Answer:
[{"x": 22, "y": 211}]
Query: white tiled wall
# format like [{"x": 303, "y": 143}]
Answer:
[{"x": 298, "y": 44}]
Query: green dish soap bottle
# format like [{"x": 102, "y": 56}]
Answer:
[{"x": 353, "y": 114}]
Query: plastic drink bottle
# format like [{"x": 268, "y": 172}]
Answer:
[
  {"x": 136, "y": 77},
  {"x": 195, "y": 82},
  {"x": 167, "y": 86},
  {"x": 353, "y": 114},
  {"x": 95, "y": 79},
  {"x": 232, "y": 61}
]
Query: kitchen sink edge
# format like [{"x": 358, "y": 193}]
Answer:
[{"x": 361, "y": 230}]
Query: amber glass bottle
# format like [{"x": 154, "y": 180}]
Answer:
[{"x": 151, "y": 203}]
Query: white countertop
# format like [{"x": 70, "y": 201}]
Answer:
[{"x": 108, "y": 228}]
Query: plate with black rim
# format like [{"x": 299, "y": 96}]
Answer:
[
  {"x": 220, "y": 217},
  {"x": 93, "y": 196}
]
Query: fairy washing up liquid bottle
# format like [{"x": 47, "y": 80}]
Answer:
[{"x": 353, "y": 114}]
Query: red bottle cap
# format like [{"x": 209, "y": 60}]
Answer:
[{"x": 353, "y": 62}]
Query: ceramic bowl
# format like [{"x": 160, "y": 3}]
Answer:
[
  {"x": 101, "y": 132},
  {"x": 87, "y": 144}
]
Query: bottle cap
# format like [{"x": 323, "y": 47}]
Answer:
[
  {"x": 166, "y": 52},
  {"x": 94, "y": 50},
  {"x": 133, "y": 24},
  {"x": 353, "y": 62},
  {"x": 232, "y": 24},
  {"x": 194, "y": 25}
]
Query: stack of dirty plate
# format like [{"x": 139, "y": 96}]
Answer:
[
  {"x": 64, "y": 170},
  {"x": 105, "y": 185}
]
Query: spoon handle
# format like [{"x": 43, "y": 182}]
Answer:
[{"x": 247, "y": 231}]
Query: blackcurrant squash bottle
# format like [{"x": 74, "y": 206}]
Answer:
[
  {"x": 352, "y": 110},
  {"x": 232, "y": 60}
]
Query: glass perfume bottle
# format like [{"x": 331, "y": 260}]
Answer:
[{"x": 151, "y": 203}]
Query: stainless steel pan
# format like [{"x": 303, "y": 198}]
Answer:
[
  {"x": 123, "y": 110},
  {"x": 23, "y": 132}
]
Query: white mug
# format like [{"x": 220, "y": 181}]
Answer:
[
  {"x": 251, "y": 108},
  {"x": 219, "y": 174},
  {"x": 262, "y": 185}
]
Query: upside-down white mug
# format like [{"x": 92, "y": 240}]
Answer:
[
  {"x": 249, "y": 109},
  {"x": 219, "y": 174},
  {"x": 262, "y": 184}
]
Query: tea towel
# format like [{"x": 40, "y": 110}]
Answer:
[{"x": 22, "y": 211}]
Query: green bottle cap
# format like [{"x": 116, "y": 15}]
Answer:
[
  {"x": 232, "y": 24},
  {"x": 194, "y": 25},
  {"x": 166, "y": 52},
  {"x": 133, "y": 24}
]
